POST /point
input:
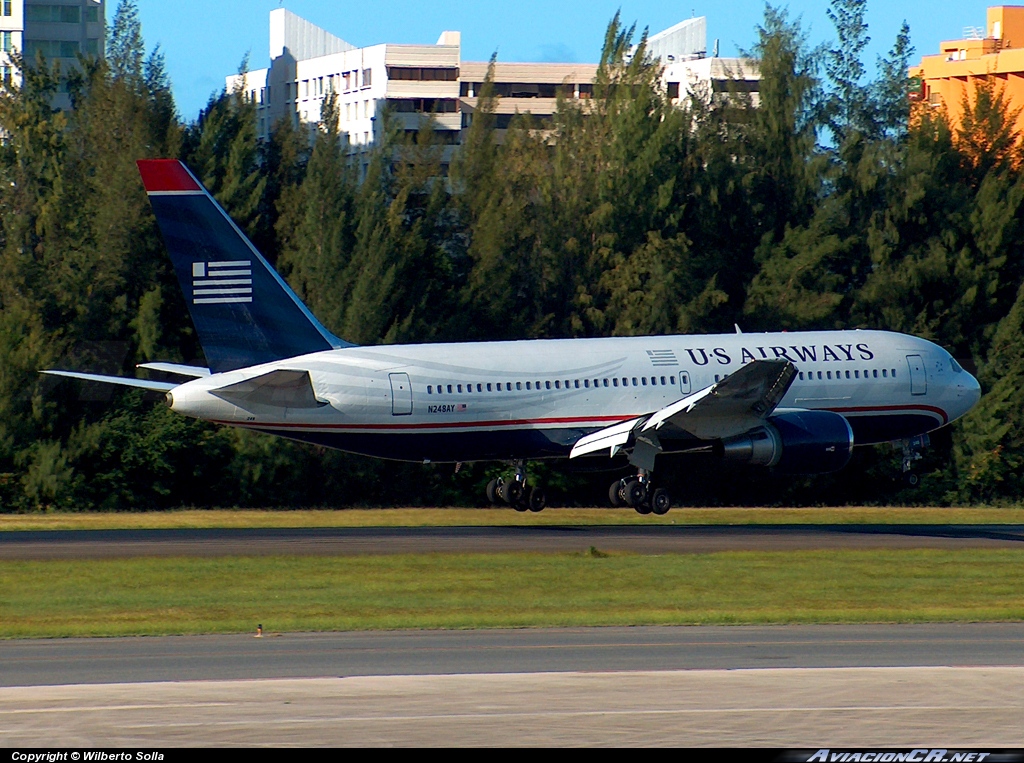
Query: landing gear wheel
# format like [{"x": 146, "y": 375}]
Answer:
[
  {"x": 635, "y": 493},
  {"x": 643, "y": 508},
  {"x": 512, "y": 492},
  {"x": 660, "y": 502},
  {"x": 537, "y": 500},
  {"x": 492, "y": 492},
  {"x": 911, "y": 479},
  {"x": 615, "y": 494}
]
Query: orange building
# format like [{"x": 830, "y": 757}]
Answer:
[{"x": 995, "y": 52}]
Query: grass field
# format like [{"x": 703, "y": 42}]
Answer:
[
  {"x": 423, "y": 517},
  {"x": 166, "y": 596}
]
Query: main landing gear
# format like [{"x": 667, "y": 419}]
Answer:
[
  {"x": 912, "y": 453},
  {"x": 515, "y": 492},
  {"x": 636, "y": 492}
]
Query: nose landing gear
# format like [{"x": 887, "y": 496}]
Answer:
[{"x": 912, "y": 453}]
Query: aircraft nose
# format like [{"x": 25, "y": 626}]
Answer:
[{"x": 969, "y": 391}]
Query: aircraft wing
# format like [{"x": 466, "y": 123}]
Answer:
[
  {"x": 739, "y": 402},
  {"x": 736, "y": 404},
  {"x": 123, "y": 381}
]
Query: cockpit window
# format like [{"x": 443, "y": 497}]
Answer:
[{"x": 955, "y": 366}]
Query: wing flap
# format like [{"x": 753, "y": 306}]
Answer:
[
  {"x": 612, "y": 437},
  {"x": 279, "y": 389}
]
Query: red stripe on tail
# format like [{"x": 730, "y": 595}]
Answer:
[{"x": 166, "y": 175}]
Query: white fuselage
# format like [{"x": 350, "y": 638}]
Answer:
[{"x": 534, "y": 399}]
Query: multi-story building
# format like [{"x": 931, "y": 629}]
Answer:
[
  {"x": 416, "y": 81},
  {"x": 58, "y": 29},
  {"x": 994, "y": 54}
]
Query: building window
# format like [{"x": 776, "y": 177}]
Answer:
[
  {"x": 92, "y": 15},
  {"x": 423, "y": 73},
  {"x": 367, "y": 77},
  {"x": 61, "y": 14},
  {"x": 735, "y": 85},
  {"x": 673, "y": 89},
  {"x": 8, "y": 10},
  {"x": 5, "y": 42},
  {"x": 49, "y": 48},
  {"x": 5, "y": 75},
  {"x": 423, "y": 105}
]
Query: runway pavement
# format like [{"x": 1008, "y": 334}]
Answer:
[
  {"x": 947, "y": 685},
  {"x": 790, "y": 686},
  {"x": 852, "y": 708},
  {"x": 647, "y": 539},
  {"x": 526, "y": 650}
]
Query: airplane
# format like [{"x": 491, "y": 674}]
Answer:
[{"x": 797, "y": 402}]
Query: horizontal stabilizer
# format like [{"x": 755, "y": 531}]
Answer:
[
  {"x": 177, "y": 369},
  {"x": 280, "y": 389},
  {"x": 612, "y": 437},
  {"x": 155, "y": 386}
]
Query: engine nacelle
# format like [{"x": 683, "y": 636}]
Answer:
[{"x": 803, "y": 442}]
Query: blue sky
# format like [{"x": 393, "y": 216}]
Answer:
[{"x": 204, "y": 41}]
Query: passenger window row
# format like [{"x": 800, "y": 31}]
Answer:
[
  {"x": 642, "y": 381},
  {"x": 868, "y": 374}
]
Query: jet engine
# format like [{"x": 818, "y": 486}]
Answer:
[{"x": 802, "y": 442}]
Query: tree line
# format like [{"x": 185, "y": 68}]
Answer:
[{"x": 826, "y": 201}]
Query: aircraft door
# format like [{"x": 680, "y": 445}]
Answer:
[
  {"x": 401, "y": 394},
  {"x": 684, "y": 382},
  {"x": 918, "y": 377}
]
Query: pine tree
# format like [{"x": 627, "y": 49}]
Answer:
[
  {"x": 223, "y": 150},
  {"x": 891, "y": 90},
  {"x": 847, "y": 108},
  {"x": 988, "y": 137},
  {"x": 126, "y": 51},
  {"x": 317, "y": 223},
  {"x": 990, "y": 453}
]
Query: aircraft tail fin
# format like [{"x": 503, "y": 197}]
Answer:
[{"x": 243, "y": 311}]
